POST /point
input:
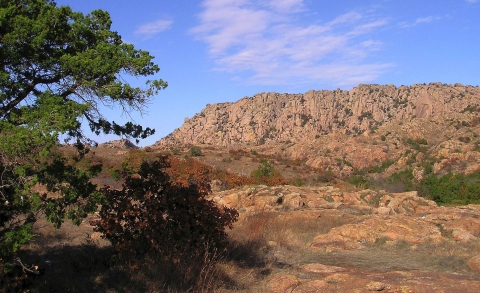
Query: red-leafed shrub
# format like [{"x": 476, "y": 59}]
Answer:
[
  {"x": 186, "y": 172},
  {"x": 183, "y": 172},
  {"x": 231, "y": 180},
  {"x": 153, "y": 218}
]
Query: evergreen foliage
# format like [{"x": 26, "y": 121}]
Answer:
[
  {"x": 265, "y": 170},
  {"x": 195, "y": 151},
  {"x": 266, "y": 174},
  {"x": 456, "y": 189},
  {"x": 56, "y": 67}
]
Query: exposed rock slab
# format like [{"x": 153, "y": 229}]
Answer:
[{"x": 273, "y": 117}]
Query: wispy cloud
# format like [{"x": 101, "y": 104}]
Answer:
[
  {"x": 264, "y": 44},
  {"x": 150, "y": 29},
  {"x": 420, "y": 20},
  {"x": 472, "y": 1},
  {"x": 287, "y": 5}
]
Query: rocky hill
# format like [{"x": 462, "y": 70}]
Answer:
[
  {"x": 325, "y": 239},
  {"x": 382, "y": 194},
  {"x": 272, "y": 117},
  {"x": 119, "y": 144}
]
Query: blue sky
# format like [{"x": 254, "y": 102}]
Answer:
[{"x": 222, "y": 50}]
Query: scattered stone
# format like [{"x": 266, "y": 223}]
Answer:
[
  {"x": 96, "y": 236},
  {"x": 376, "y": 286},
  {"x": 398, "y": 227},
  {"x": 283, "y": 284},
  {"x": 336, "y": 278},
  {"x": 474, "y": 263},
  {"x": 315, "y": 286},
  {"x": 461, "y": 235},
  {"x": 293, "y": 201},
  {"x": 384, "y": 210},
  {"x": 320, "y": 268}
]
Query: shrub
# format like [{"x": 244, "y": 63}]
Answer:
[
  {"x": 230, "y": 180},
  {"x": 297, "y": 181},
  {"x": 360, "y": 181},
  {"x": 305, "y": 119},
  {"x": 452, "y": 189},
  {"x": 157, "y": 219},
  {"x": 422, "y": 141},
  {"x": 428, "y": 169},
  {"x": 195, "y": 151},
  {"x": 418, "y": 144},
  {"x": 115, "y": 174},
  {"x": 326, "y": 176},
  {"x": 131, "y": 163},
  {"x": 264, "y": 170},
  {"x": 185, "y": 172},
  {"x": 266, "y": 174},
  {"x": 401, "y": 181},
  {"x": 379, "y": 169}
]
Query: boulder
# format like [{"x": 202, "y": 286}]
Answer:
[{"x": 283, "y": 284}]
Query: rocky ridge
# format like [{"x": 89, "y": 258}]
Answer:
[
  {"x": 119, "y": 144},
  {"x": 370, "y": 227},
  {"x": 380, "y": 214},
  {"x": 272, "y": 117}
]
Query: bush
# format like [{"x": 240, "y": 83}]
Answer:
[
  {"x": 379, "y": 169},
  {"x": 131, "y": 163},
  {"x": 419, "y": 144},
  {"x": 401, "y": 181},
  {"x": 428, "y": 169},
  {"x": 155, "y": 219},
  {"x": 326, "y": 176},
  {"x": 195, "y": 151},
  {"x": 297, "y": 181},
  {"x": 115, "y": 174},
  {"x": 230, "y": 180},
  {"x": 266, "y": 174},
  {"x": 452, "y": 189},
  {"x": 264, "y": 170},
  {"x": 360, "y": 181}
]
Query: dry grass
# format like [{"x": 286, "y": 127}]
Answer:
[
  {"x": 284, "y": 239},
  {"x": 447, "y": 256},
  {"x": 261, "y": 245},
  {"x": 289, "y": 229}
]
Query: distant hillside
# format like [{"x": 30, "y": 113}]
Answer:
[
  {"x": 277, "y": 118},
  {"x": 119, "y": 144}
]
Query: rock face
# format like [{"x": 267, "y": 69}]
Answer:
[
  {"x": 261, "y": 197},
  {"x": 119, "y": 144},
  {"x": 273, "y": 118},
  {"x": 380, "y": 216},
  {"x": 341, "y": 259}
]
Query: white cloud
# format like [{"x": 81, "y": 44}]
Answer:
[
  {"x": 472, "y": 1},
  {"x": 420, "y": 20},
  {"x": 266, "y": 44},
  {"x": 286, "y": 6},
  {"x": 150, "y": 29}
]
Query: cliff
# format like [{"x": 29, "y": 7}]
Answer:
[{"x": 272, "y": 117}]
